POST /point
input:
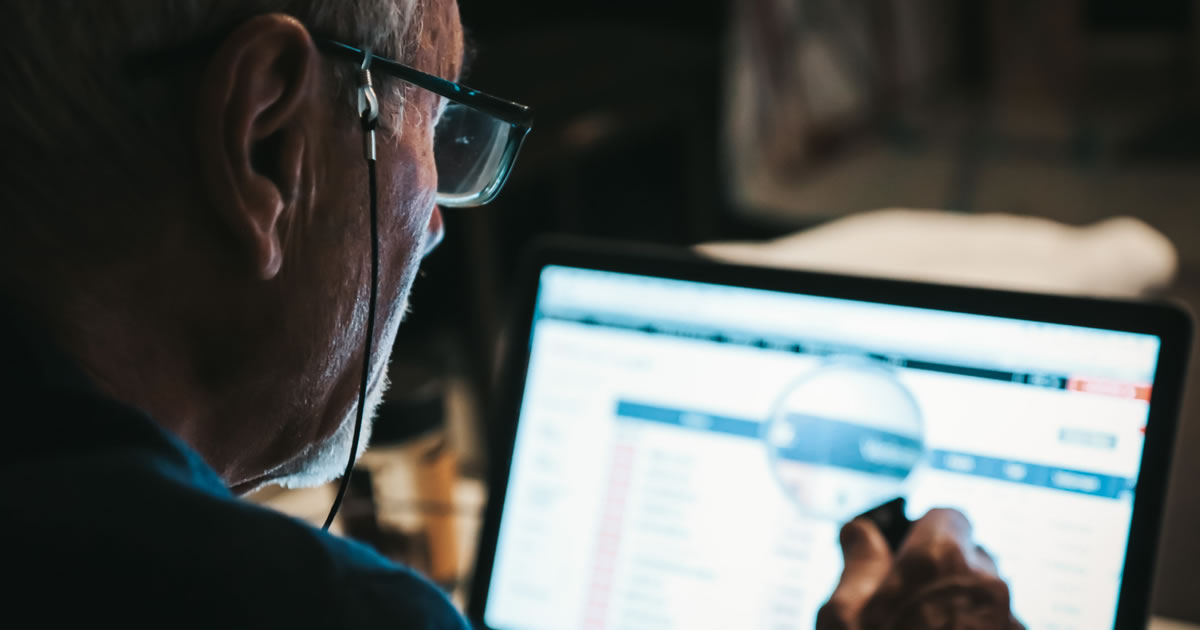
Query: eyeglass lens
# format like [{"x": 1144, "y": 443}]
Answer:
[{"x": 469, "y": 148}]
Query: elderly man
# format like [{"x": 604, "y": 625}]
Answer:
[{"x": 212, "y": 215}]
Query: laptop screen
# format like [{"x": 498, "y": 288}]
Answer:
[{"x": 686, "y": 453}]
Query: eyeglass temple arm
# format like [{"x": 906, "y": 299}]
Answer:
[{"x": 508, "y": 111}]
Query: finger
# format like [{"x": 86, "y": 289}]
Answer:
[
  {"x": 939, "y": 545},
  {"x": 867, "y": 563},
  {"x": 865, "y": 551},
  {"x": 980, "y": 598},
  {"x": 940, "y": 523}
]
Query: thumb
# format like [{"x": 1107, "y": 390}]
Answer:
[{"x": 868, "y": 561}]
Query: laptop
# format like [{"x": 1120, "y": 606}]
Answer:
[{"x": 682, "y": 440}]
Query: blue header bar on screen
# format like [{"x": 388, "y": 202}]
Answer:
[{"x": 838, "y": 444}]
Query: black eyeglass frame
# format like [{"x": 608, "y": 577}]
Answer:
[{"x": 519, "y": 117}]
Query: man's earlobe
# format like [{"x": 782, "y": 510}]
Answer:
[{"x": 256, "y": 108}]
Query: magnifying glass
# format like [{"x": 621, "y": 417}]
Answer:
[{"x": 844, "y": 438}]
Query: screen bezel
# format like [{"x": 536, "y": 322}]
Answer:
[{"x": 1169, "y": 322}]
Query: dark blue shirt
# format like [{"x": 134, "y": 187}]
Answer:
[{"x": 108, "y": 517}]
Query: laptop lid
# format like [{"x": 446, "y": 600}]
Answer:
[{"x": 683, "y": 440}]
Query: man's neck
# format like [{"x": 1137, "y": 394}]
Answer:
[{"x": 130, "y": 351}]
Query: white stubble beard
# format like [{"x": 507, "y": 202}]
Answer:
[{"x": 325, "y": 461}]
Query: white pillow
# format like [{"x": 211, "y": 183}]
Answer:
[{"x": 1118, "y": 257}]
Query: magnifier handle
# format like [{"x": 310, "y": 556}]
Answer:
[{"x": 891, "y": 520}]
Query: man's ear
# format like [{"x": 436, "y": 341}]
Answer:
[{"x": 256, "y": 139}]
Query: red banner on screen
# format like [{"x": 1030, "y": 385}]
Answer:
[{"x": 1102, "y": 387}]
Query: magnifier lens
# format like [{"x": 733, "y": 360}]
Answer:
[{"x": 844, "y": 438}]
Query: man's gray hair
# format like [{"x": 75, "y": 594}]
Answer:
[{"x": 67, "y": 93}]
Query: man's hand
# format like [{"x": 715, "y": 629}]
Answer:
[{"x": 938, "y": 580}]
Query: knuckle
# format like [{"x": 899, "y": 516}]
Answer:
[
  {"x": 997, "y": 589},
  {"x": 917, "y": 566},
  {"x": 950, "y": 516},
  {"x": 948, "y": 555},
  {"x": 941, "y": 556}
]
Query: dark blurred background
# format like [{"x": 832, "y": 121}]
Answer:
[
  {"x": 627, "y": 96},
  {"x": 685, "y": 122}
]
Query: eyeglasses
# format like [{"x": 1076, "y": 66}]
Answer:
[{"x": 476, "y": 142}]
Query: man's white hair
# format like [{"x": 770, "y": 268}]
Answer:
[{"x": 69, "y": 96}]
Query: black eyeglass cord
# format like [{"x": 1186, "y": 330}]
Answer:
[{"x": 369, "y": 106}]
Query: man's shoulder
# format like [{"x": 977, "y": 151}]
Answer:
[
  {"x": 363, "y": 588},
  {"x": 141, "y": 525}
]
